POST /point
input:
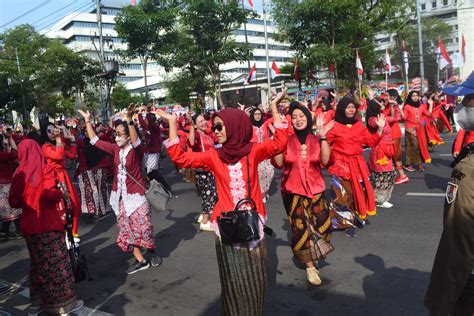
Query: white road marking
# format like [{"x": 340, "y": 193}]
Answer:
[
  {"x": 425, "y": 194},
  {"x": 446, "y": 155}
]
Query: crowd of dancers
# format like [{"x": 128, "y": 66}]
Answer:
[{"x": 230, "y": 155}]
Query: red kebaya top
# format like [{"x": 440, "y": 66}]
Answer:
[
  {"x": 302, "y": 177},
  {"x": 152, "y": 133},
  {"x": 231, "y": 179},
  {"x": 414, "y": 116},
  {"x": 462, "y": 139},
  {"x": 394, "y": 124}
]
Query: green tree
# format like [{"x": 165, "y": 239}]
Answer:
[
  {"x": 205, "y": 42},
  {"x": 121, "y": 97},
  {"x": 329, "y": 32},
  {"x": 148, "y": 30},
  {"x": 431, "y": 28}
]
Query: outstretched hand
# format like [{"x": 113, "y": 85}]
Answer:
[
  {"x": 167, "y": 116},
  {"x": 323, "y": 131},
  {"x": 131, "y": 110},
  {"x": 85, "y": 115},
  {"x": 380, "y": 121}
]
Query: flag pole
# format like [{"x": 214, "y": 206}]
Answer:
[
  {"x": 266, "y": 51},
  {"x": 359, "y": 76}
]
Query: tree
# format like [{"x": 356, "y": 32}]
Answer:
[
  {"x": 329, "y": 32},
  {"x": 46, "y": 68},
  {"x": 148, "y": 30},
  {"x": 431, "y": 28},
  {"x": 121, "y": 97},
  {"x": 205, "y": 41}
]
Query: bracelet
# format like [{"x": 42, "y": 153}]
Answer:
[
  {"x": 321, "y": 139},
  {"x": 131, "y": 123},
  {"x": 88, "y": 122}
]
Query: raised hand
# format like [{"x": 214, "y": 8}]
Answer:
[
  {"x": 323, "y": 131},
  {"x": 167, "y": 116},
  {"x": 131, "y": 110},
  {"x": 380, "y": 121},
  {"x": 319, "y": 121},
  {"x": 85, "y": 115}
]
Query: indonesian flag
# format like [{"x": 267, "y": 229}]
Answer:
[
  {"x": 463, "y": 49},
  {"x": 360, "y": 70},
  {"x": 134, "y": 2},
  {"x": 405, "y": 56},
  {"x": 388, "y": 63},
  {"x": 444, "y": 58},
  {"x": 295, "y": 71},
  {"x": 274, "y": 71},
  {"x": 250, "y": 3},
  {"x": 252, "y": 74}
]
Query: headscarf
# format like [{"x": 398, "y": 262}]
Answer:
[
  {"x": 239, "y": 132},
  {"x": 327, "y": 104},
  {"x": 409, "y": 101},
  {"x": 340, "y": 116},
  {"x": 252, "y": 119},
  {"x": 44, "y": 134},
  {"x": 32, "y": 163},
  {"x": 303, "y": 134},
  {"x": 373, "y": 109}
]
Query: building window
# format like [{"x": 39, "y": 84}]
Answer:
[
  {"x": 423, "y": 6},
  {"x": 433, "y": 4},
  {"x": 445, "y": 2}
]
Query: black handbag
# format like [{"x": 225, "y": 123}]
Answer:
[{"x": 241, "y": 224}]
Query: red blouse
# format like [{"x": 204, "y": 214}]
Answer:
[
  {"x": 261, "y": 133},
  {"x": 152, "y": 133},
  {"x": 202, "y": 142},
  {"x": 414, "y": 116},
  {"x": 302, "y": 177},
  {"x": 462, "y": 139},
  {"x": 394, "y": 124},
  {"x": 231, "y": 180}
]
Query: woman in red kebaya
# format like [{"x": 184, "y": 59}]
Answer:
[
  {"x": 439, "y": 115},
  {"x": 302, "y": 190},
  {"x": 127, "y": 198},
  {"x": 325, "y": 109},
  {"x": 351, "y": 188},
  {"x": 242, "y": 266},
  {"x": 200, "y": 141},
  {"x": 262, "y": 130},
  {"x": 35, "y": 190},
  {"x": 463, "y": 138},
  {"x": 381, "y": 156},
  {"x": 416, "y": 147},
  {"x": 429, "y": 124},
  {"x": 55, "y": 154}
]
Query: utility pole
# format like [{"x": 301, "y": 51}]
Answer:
[
  {"x": 25, "y": 114},
  {"x": 264, "y": 4},
  {"x": 103, "y": 99},
  {"x": 420, "y": 45}
]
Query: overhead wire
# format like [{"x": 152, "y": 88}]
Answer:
[
  {"x": 26, "y": 13},
  {"x": 54, "y": 12},
  {"x": 82, "y": 9}
]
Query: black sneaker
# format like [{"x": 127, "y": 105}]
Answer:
[
  {"x": 155, "y": 261},
  {"x": 350, "y": 232},
  {"x": 138, "y": 267}
]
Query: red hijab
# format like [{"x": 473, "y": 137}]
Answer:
[
  {"x": 239, "y": 132},
  {"x": 32, "y": 163}
]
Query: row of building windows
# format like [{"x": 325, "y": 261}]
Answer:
[
  {"x": 253, "y": 33},
  {"x": 434, "y": 4},
  {"x": 85, "y": 38},
  {"x": 273, "y": 47},
  {"x": 128, "y": 79},
  {"x": 88, "y": 25}
]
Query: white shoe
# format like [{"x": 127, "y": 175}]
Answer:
[
  {"x": 313, "y": 276},
  {"x": 385, "y": 205},
  {"x": 199, "y": 219},
  {"x": 206, "y": 227},
  {"x": 79, "y": 305}
]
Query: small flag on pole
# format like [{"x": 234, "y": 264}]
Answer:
[
  {"x": 360, "y": 70},
  {"x": 275, "y": 70},
  {"x": 252, "y": 74},
  {"x": 295, "y": 71},
  {"x": 444, "y": 58},
  {"x": 250, "y": 3},
  {"x": 388, "y": 63},
  {"x": 405, "y": 56},
  {"x": 463, "y": 49},
  {"x": 133, "y": 2}
]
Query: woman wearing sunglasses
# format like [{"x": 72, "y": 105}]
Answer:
[{"x": 243, "y": 266}]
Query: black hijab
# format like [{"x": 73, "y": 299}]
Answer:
[
  {"x": 409, "y": 101},
  {"x": 342, "y": 105},
  {"x": 44, "y": 134},
  {"x": 252, "y": 119},
  {"x": 373, "y": 109},
  {"x": 303, "y": 134}
]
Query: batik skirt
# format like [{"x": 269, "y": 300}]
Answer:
[
  {"x": 243, "y": 275},
  {"x": 206, "y": 185},
  {"x": 6, "y": 212},
  {"x": 412, "y": 149},
  {"x": 135, "y": 230},
  {"x": 343, "y": 214},
  {"x": 383, "y": 183},
  {"x": 94, "y": 193},
  {"x": 310, "y": 222},
  {"x": 51, "y": 280},
  {"x": 265, "y": 176}
]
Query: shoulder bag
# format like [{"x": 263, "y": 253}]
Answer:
[{"x": 157, "y": 195}]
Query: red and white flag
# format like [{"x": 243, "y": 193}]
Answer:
[
  {"x": 250, "y": 3},
  {"x": 360, "y": 70},
  {"x": 252, "y": 74},
  {"x": 295, "y": 71},
  {"x": 274, "y": 71},
  {"x": 133, "y": 2},
  {"x": 463, "y": 49},
  {"x": 388, "y": 63},
  {"x": 444, "y": 58},
  {"x": 405, "y": 56}
]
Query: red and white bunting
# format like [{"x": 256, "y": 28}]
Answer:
[
  {"x": 444, "y": 58},
  {"x": 252, "y": 74},
  {"x": 275, "y": 70},
  {"x": 360, "y": 70}
]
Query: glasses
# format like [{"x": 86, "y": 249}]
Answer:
[{"x": 216, "y": 127}]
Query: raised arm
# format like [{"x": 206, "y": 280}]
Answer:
[{"x": 105, "y": 146}]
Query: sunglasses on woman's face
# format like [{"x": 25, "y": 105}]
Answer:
[
  {"x": 50, "y": 130},
  {"x": 216, "y": 127}
]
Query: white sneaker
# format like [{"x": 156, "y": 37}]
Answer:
[
  {"x": 199, "y": 219},
  {"x": 79, "y": 305},
  {"x": 385, "y": 205},
  {"x": 313, "y": 276},
  {"x": 206, "y": 227}
]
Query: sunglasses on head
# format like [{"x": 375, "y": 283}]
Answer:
[{"x": 217, "y": 127}]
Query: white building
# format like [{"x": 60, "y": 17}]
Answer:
[
  {"x": 466, "y": 27},
  {"x": 80, "y": 30}
]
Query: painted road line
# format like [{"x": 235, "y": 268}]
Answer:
[
  {"x": 445, "y": 155},
  {"x": 425, "y": 194}
]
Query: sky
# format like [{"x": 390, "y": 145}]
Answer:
[{"x": 44, "y": 13}]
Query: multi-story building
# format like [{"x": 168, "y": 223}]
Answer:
[
  {"x": 466, "y": 28},
  {"x": 80, "y": 32}
]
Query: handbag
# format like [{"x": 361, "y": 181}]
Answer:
[
  {"x": 241, "y": 224},
  {"x": 156, "y": 195}
]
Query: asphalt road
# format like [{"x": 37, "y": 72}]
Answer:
[{"x": 384, "y": 270}]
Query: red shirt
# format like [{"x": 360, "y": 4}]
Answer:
[
  {"x": 231, "y": 180},
  {"x": 394, "y": 124},
  {"x": 328, "y": 115},
  {"x": 7, "y": 165},
  {"x": 302, "y": 177},
  {"x": 202, "y": 142},
  {"x": 462, "y": 139},
  {"x": 152, "y": 133},
  {"x": 261, "y": 133},
  {"x": 413, "y": 115}
]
